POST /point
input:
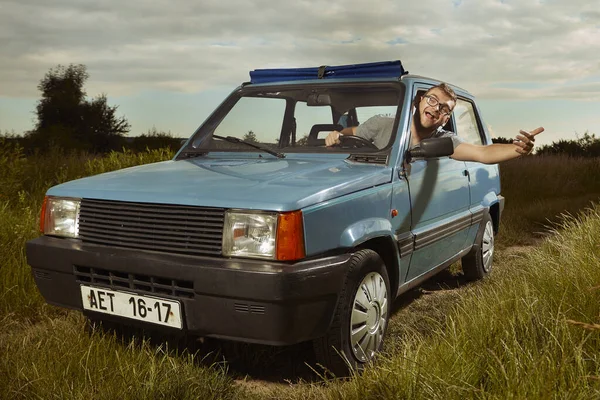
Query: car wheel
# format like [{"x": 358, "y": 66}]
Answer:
[
  {"x": 477, "y": 264},
  {"x": 361, "y": 317}
]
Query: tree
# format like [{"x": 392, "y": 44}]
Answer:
[
  {"x": 250, "y": 137},
  {"x": 101, "y": 127},
  {"x": 62, "y": 94},
  {"x": 303, "y": 141},
  {"x": 66, "y": 119}
]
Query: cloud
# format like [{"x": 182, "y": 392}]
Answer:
[
  {"x": 188, "y": 46},
  {"x": 579, "y": 92}
]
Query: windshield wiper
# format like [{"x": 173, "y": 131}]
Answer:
[{"x": 233, "y": 139}]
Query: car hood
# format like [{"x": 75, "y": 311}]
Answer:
[{"x": 265, "y": 184}]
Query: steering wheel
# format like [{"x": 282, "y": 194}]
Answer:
[{"x": 356, "y": 142}]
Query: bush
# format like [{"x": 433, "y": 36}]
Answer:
[
  {"x": 586, "y": 146},
  {"x": 152, "y": 140}
]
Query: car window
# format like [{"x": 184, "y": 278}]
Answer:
[
  {"x": 364, "y": 113},
  {"x": 466, "y": 122},
  {"x": 359, "y": 115}
]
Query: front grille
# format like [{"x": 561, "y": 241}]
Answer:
[
  {"x": 140, "y": 283},
  {"x": 147, "y": 226}
]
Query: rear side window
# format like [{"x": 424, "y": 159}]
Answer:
[
  {"x": 466, "y": 122},
  {"x": 364, "y": 113}
]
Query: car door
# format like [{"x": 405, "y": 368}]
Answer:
[
  {"x": 440, "y": 216},
  {"x": 483, "y": 179}
]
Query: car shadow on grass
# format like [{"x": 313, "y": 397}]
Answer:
[
  {"x": 242, "y": 361},
  {"x": 443, "y": 281},
  {"x": 285, "y": 364},
  {"x": 271, "y": 364},
  {"x": 424, "y": 309},
  {"x": 292, "y": 364}
]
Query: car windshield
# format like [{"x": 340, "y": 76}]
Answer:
[{"x": 299, "y": 119}]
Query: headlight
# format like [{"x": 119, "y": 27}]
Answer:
[
  {"x": 276, "y": 236},
  {"x": 250, "y": 234},
  {"x": 60, "y": 216}
]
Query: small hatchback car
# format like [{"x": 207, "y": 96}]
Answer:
[{"x": 256, "y": 231}]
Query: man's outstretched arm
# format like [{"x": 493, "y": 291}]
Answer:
[{"x": 497, "y": 152}]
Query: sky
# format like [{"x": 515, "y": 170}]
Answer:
[{"x": 167, "y": 64}]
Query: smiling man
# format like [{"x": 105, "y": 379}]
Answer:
[{"x": 432, "y": 111}]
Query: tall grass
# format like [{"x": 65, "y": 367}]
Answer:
[
  {"x": 539, "y": 189},
  {"x": 532, "y": 332},
  {"x": 19, "y": 296},
  {"x": 55, "y": 358},
  {"x": 23, "y": 182}
]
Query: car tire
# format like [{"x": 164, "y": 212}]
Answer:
[
  {"x": 477, "y": 264},
  {"x": 358, "y": 328}
]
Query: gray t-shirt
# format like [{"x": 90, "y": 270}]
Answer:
[
  {"x": 444, "y": 133},
  {"x": 378, "y": 129}
]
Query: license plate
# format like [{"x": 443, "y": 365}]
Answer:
[{"x": 150, "y": 309}]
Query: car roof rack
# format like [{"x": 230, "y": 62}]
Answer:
[{"x": 382, "y": 69}]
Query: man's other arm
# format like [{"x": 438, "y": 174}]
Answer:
[
  {"x": 334, "y": 137},
  {"x": 497, "y": 152}
]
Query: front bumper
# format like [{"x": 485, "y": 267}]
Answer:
[{"x": 247, "y": 300}]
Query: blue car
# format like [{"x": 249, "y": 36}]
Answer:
[{"x": 258, "y": 231}]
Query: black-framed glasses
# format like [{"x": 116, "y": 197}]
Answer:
[{"x": 434, "y": 102}]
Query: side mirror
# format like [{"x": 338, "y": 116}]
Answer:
[{"x": 432, "y": 148}]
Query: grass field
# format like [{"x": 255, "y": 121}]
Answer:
[{"x": 531, "y": 332}]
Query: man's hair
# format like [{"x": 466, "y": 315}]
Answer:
[{"x": 446, "y": 89}]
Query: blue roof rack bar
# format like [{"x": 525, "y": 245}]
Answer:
[{"x": 383, "y": 69}]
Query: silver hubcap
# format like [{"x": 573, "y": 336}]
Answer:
[
  {"x": 369, "y": 314},
  {"x": 487, "y": 246}
]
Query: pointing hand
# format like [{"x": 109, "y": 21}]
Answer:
[{"x": 525, "y": 140}]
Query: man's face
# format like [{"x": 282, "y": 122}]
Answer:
[{"x": 431, "y": 117}]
